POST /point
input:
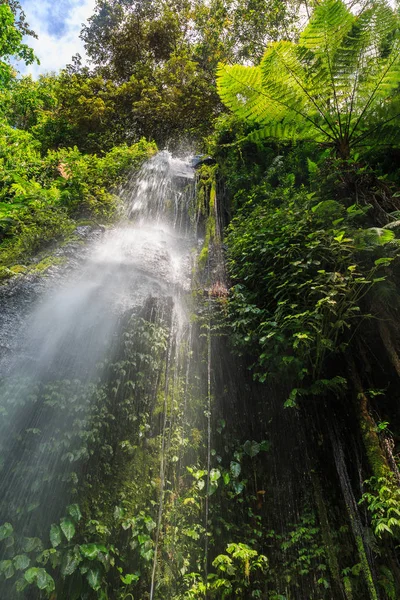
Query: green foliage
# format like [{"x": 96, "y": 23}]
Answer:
[
  {"x": 40, "y": 196},
  {"x": 92, "y": 543},
  {"x": 335, "y": 86},
  {"x": 383, "y": 502},
  {"x": 238, "y": 573},
  {"x": 309, "y": 553},
  {"x": 11, "y": 45},
  {"x": 239, "y": 31},
  {"x": 28, "y": 104},
  {"x": 300, "y": 269}
]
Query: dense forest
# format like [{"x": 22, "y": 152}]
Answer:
[{"x": 236, "y": 435}]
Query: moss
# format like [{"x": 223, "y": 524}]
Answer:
[
  {"x": 330, "y": 548},
  {"x": 203, "y": 257},
  {"x": 17, "y": 269},
  {"x": 206, "y": 206},
  {"x": 375, "y": 454},
  {"x": 38, "y": 268},
  {"x": 348, "y": 588},
  {"x": 366, "y": 569},
  {"x": 48, "y": 262},
  {"x": 5, "y": 273}
]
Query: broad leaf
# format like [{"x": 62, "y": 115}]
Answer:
[
  {"x": 215, "y": 474},
  {"x": 129, "y": 578},
  {"x": 44, "y": 581},
  {"x": 68, "y": 528},
  {"x": 74, "y": 511},
  {"x": 31, "y": 574},
  {"x": 55, "y": 535},
  {"x": 21, "y": 562},
  {"x": 70, "y": 563},
  {"x": 235, "y": 469},
  {"x": 94, "y": 578},
  {"x": 6, "y": 568},
  {"x": 5, "y": 531},
  {"x": 251, "y": 448},
  {"x": 30, "y": 544},
  {"x": 89, "y": 551}
]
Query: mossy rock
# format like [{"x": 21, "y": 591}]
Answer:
[
  {"x": 48, "y": 262},
  {"x": 5, "y": 273},
  {"x": 18, "y": 269}
]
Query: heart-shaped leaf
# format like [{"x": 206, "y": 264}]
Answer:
[
  {"x": 68, "y": 528},
  {"x": 94, "y": 578},
  {"x": 21, "y": 562},
  {"x": 5, "y": 531},
  {"x": 55, "y": 535}
]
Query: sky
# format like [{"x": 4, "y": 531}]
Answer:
[{"x": 57, "y": 24}]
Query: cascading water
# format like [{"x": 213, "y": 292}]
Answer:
[
  {"x": 136, "y": 453},
  {"x": 121, "y": 311}
]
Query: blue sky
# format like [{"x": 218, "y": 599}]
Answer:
[{"x": 57, "y": 24}]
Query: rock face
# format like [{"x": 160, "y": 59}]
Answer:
[{"x": 21, "y": 293}]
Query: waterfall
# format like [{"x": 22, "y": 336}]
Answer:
[
  {"x": 102, "y": 343},
  {"x": 137, "y": 453}
]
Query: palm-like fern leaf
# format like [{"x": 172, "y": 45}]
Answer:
[
  {"x": 337, "y": 85},
  {"x": 242, "y": 90}
]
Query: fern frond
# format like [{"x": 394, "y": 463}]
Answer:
[
  {"x": 276, "y": 131},
  {"x": 287, "y": 131},
  {"x": 241, "y": 90},
  {"x": 285, "y": 69},
  {"x": 338, "y": 85},
  {"x": 330, "y": 23}
]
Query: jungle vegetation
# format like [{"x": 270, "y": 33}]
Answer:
[{"x": 298, "y": 104}]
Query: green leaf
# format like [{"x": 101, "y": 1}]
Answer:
[
  {"x": 5, "y": 531},
  {"x": 251, "y": 448},
  {"x": 298, "y": 88},
  {"x": 129, "y": 578},
  {"x": 238, "y": 486},
  {"x": 150, "y": 524},
  {"x": 21, "y": 585},
  {"x": 4, "y": 565},
  {"x": 31, "y": 574},
  {"x": 215, "y": 474},
  {"x": 6, "y": 568},
  {"x": 264, "y": 446},
  {"x": 119, "y": 512},
  {"x": 235, "y": 469},
  {"x": 94, "y": 578},
  {"x": 70, "y": 563},
  {"x": 89, "y": 551},
  {"x": 68, "y": 528},
  {"x": 312, "y": 167},
  {"x": 30, "y": 544},
  {"x": 147, "y": 555},
  {"x": 383, "y": 261},
  {"x": 74, "y": 511},
  {"x": 212, "y": 488},
  {"x": 55, "y": 535},
  {"x": 21, "y": 562},
  {"x": 44, "y": 581},
  {"x": 192, "y": 533}
]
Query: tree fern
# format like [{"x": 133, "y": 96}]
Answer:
[{"x": 338, "y": 85}]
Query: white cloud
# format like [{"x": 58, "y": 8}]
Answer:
[{"x": 58, "y": 27}]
